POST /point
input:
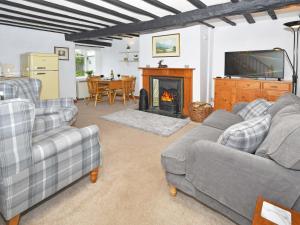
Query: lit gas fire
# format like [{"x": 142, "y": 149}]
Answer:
[{"x": 167, "y": 97}]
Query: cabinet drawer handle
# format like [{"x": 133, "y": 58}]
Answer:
[
  {"x": 274, "y": 86},
  {"x": 40, "y": 73},
  {"x": 41, "y": 67}
]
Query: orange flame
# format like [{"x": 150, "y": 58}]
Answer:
[{"x": 166, "y": 97}]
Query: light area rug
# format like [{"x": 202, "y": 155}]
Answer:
[{"x": 150, "y": 122}]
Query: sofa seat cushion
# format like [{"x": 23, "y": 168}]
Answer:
[
  {"x": 222, "y": 119},
  {"x": 258, "y": 107},
  {"x": 282, "y": 142},
  {"x": 173, "y": 158},
  {"x": 248, "y": 135}
]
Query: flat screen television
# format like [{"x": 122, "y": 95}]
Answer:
[{"x": 255, "y": 64}]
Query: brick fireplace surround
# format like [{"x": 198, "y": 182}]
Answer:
[{"x": 185, "y": 73}]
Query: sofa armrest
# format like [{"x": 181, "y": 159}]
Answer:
[
  {"x": 239, "y": 106},
  {"x": 59, "y": 102},
  {"x": 89, "y": 131},
  {"x": 236, "y": 178},
  {"x": 64, "y": 138}
]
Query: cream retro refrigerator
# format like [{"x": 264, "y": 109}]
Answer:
[{"x": 42, "y": 66}]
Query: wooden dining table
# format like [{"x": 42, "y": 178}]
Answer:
[{"x": 112, "y": 86}]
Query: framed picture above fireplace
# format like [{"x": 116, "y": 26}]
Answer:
[{"x": 166, "y": 45}]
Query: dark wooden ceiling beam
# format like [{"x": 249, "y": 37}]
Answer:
[
  {"x": 75, "y": 11},
  {"x": 247, "y": 16},
  {"x": 89, "y": 42},
  {"x": 41, "y": 22},
  {"x": 33, "y": 9},
  {"x": 114, "y": 37},
  {"x": 185, "y": 18},
  {"x": 90, "y": 46},
  {"x": 131, "y": 8},
  {"x": 103, "y": 9},
  {"x": 134, "y": 35},
  {"x": 161, "y": 5},
  {"x": 47, "y": 18},
  {"x": 200, "y": 5},
  {"x": 32, "y": 28},
  {"x": 207, "y": 24},
  {"x": 26, "y": 25},
  {"x": 105, "y": 39},
  {"x": 272, "y": 14}
]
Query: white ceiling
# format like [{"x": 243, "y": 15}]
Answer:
[{"x": 181, "y": 5}]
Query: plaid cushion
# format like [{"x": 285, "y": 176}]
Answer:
[
  {"x": 8, "y": 91},
  {"x": 16, "y": 122},
  {"x": 247, "y": 135},
  {"x": 46, "y": 122},
  {"x": 255, "y": 108},
  {"x": 27, "y": 88}
]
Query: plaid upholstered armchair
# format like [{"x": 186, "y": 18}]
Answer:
[
  {"x": 34, "y": 168},
  {"x": 50, "y": 114}
]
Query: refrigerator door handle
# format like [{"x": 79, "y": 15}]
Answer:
[{"x": 40, "y": 67}]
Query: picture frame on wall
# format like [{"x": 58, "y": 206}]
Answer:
[
  {"x": 62, "y": 52},
  {"x": 166, "y": 45}
]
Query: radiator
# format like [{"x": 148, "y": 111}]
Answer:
[{"x": 82, "y": 89}]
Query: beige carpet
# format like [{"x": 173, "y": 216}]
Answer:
[{"x": 131, "y": 189}]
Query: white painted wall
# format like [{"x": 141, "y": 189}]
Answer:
[
  {"x": 190, "y": 54},
  {"x": 15, "y": 41},
  {"x": 259, "y": 36},
  {"x": 112, "y": 59}
]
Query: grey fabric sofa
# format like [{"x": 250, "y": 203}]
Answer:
[
  {"x": 229, "y": 180},
  {"x": 50, "y": 114},
  {"x": 34, "y": 168}
]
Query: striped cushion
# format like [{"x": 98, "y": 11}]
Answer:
[
  {"x": 255, "y": 108},
  {"x": 247, "y": 135}
]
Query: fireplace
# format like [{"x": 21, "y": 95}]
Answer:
[
  {"x": 180, "y": 79},
  {"x": 166, "y": 95}
]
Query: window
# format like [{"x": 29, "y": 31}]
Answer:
[{"x": 85, "y": 62}]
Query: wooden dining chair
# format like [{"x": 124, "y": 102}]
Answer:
[
  {"x": 127, "y": 89},
  {"x": 96, "y": 90}
]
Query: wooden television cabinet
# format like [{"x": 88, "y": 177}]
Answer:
[{"x": 231, "y": 91}]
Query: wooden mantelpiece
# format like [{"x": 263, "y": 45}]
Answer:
[{"x": 185, "y": 73}]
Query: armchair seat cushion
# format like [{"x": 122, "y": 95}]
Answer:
[
  {"x": 222, "y": 119},
  {"x": 44, "y": 123},
  {"x": 173, "y": 158}
]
